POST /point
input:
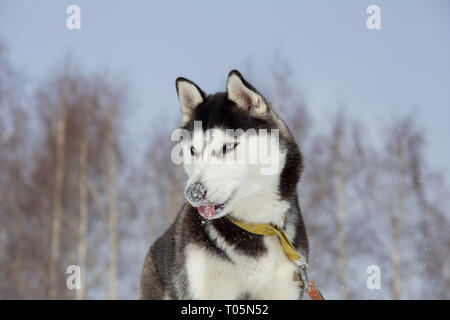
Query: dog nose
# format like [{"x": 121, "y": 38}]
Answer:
[{"x": 196, "y": 192}]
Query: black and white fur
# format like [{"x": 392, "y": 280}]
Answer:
[{"x": 200, "y": 258}]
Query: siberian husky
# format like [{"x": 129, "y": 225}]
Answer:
[{"x": 203, "y": 254}]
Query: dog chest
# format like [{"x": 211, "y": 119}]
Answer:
[{"x": 269, "y": 276}]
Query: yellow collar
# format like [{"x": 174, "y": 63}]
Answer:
[{"x": 265, "y": 229}]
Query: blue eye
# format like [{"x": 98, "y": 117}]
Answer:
[
  {"x": 193, "y": 151},
  {"x": 229, "y": 146}
]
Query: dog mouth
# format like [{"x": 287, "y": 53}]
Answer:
[{"x": 211, "y": 210}]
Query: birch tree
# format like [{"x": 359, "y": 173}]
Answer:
[
  {"x": 86, "y": 187},
  {"x": 60, "y": 140},
  {"x": 340, "y": 167},
  {"x": 111, "y": 180},
  {"x": 83, "y": 207},
  {"x": 396, "y": 217}
]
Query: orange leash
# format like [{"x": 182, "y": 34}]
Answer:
[
  {"x": 314, "y": 292},
  {"x": 310, "y": 287}
]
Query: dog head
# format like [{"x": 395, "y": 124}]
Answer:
[{"x": 237, "y": 149}]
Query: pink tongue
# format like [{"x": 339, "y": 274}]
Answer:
[{"x": 207, "y": 212}]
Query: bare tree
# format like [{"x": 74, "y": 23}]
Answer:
[
  {"x": 14, "y": 124},
  {"x": 83, "y": 207},
  {"x": 76, "y": 162},
  {"x": 111, "y": 180},
  {"x": 340, "y": 165},
  {"x": 58, "y": 189},
  {"x": 414, "y": 184},
  {"x": 396, "y": 216},
  {"x": 166, "y": 181}
]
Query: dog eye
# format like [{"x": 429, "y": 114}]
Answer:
[
  {"x": 193, "y": 151},
  {"x": 229, "y": 146}
]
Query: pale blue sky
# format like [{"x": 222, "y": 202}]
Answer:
[{"x": 377, "y": 74}]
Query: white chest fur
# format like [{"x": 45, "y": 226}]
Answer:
[{"x": 269, "y": 276}]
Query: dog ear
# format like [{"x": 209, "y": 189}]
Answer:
[
  {"x": 245, "y": 96},
  {"x": 190, "y": 96}
]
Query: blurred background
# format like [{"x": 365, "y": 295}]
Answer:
[{"x": 86, "y": 116}]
